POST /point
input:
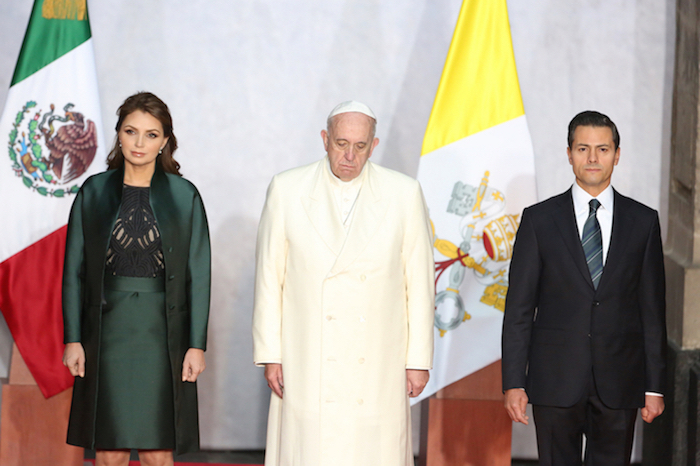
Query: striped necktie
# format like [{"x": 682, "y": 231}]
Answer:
[{"x": 592, "y": 241}]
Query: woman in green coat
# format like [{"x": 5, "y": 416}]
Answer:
[{"x": 136, "y": 287}]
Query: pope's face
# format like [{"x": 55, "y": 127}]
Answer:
[
  {"x": 349, "y": 144},
  {"x": 593, "y": 156}
]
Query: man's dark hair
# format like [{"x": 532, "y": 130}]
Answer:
[{"x": 596, "y": 119}]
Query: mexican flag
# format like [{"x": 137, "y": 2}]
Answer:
[
  {"x": 52, "y": 128},
  {"x": 477, "y": 171}
]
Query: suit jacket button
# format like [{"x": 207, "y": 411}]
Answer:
[
  {"x": 170, "y": 249},
  {"x": 596, "y": 303},
  {"x": 172, "y": 277},
  {"x": 172, "y": 306}
]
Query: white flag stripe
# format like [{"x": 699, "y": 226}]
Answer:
[{"x": 497, "y": 165}]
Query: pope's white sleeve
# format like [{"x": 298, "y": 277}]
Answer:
[
  {"x": 419, "y": 270},
  {"x": 270, "y": 260}
]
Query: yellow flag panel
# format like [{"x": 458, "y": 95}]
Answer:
[{"x": 479, "y": 85}]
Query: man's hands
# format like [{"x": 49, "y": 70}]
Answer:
[
  {"x": 74, "y": 359},
  {"x": 515, "y": 403},
  {"x": 653, "y": 407},
  {"x": 415, "y": 381},
  {"x": 193, "y": 365},
  {"x": 273, "y": 375}
]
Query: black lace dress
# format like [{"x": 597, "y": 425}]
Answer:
[
  {"x": 135, "y": 401},
  {"x": 135, "y": 249}
]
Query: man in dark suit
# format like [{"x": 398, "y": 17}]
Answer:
[{"x": 584, "y": 333}]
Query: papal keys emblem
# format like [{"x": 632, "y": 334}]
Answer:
[
  {"x": 485, "y": 246},
  {"x": 48, "y": 151}
]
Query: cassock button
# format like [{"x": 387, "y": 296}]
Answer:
[
  {"x": 363, "y": 277},
  {"x": 361, "y": 360},
  {"x": 329, "y": 318},
  {"x": 360, "y": 401}
]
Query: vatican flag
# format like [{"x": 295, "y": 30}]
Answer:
[
  {"x": 477, "y": 172},
  {"x": 52, "y": 128}
]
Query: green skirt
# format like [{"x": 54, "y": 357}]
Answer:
[{"x": 135, "y": 408}]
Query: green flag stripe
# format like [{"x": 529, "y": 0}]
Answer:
[{"x": 48, "y": 39}]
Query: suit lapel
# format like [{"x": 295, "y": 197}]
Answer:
[
  {"x": 565, "y": 218},
  {"x": 622, "y": 229},
  {"x": 323, "y": 213},
  {"x": 368, "y": 213}
]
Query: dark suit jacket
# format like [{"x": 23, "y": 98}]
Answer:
[
  {"x": 185, "y": 238},
  {"x": 558, "y": 328}
]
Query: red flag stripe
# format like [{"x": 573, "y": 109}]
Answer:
[{"x": 30, "y": 301}]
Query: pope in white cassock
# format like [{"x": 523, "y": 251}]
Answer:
[{"x": 344, "y": 303}]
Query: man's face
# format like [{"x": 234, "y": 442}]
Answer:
[
  {"x": 349, "y": 144},
  {"x": 593, "y": 157}
]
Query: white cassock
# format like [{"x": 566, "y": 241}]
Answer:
[{"x": 345, "y": 309}]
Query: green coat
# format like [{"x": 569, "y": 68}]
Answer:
[{"x": 182, "y": 222}]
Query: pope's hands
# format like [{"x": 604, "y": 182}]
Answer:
[
  {"x": 275, "y": 380},
  {"x": 515, "y": 403},
  {"x": 416, "y": 380},
  {"x": 193, "y": 365},
  {"x": 74, "y": 359}
]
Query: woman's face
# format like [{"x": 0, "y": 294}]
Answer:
[{"x": 141, "y": 138}]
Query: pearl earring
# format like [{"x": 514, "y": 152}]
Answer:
[{"x": 160, "y": 152}]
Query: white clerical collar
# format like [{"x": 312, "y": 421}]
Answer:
[{"x": 582, "y": 198}]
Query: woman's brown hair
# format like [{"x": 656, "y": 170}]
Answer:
[{"x": 151, "y": 104}]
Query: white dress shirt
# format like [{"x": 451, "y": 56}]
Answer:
[{"x": 604, "y": 213}]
